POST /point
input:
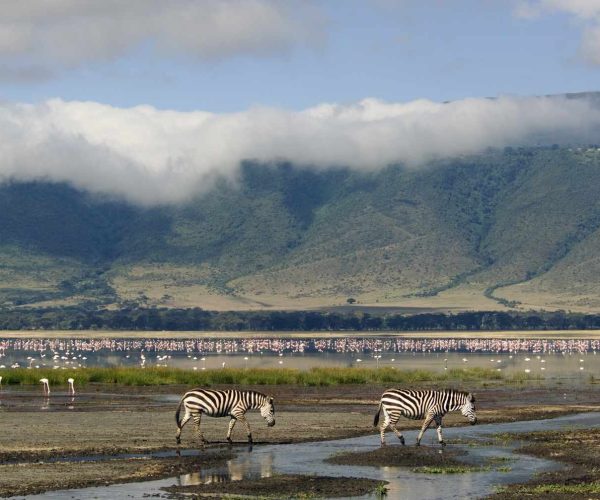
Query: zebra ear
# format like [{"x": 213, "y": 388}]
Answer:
[
  {"x": 271, "y": 399},
  {"x": 471, "y": 397}
]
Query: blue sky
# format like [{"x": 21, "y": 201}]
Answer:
[
  {"x": 152, "y": 100},
  {"x": 396, "y": 51}
]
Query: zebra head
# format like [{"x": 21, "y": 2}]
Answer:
[
  {"x": 468, "y": 409},
  {"x": 267, "y": 411}
]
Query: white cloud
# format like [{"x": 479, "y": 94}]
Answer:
[
  {"x": 150, "y": 156},
  {"x": 587, "y": 12},
  {"x": 58, "y": 34}
]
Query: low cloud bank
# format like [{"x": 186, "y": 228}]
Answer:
[{"x": 151, "y": 156}]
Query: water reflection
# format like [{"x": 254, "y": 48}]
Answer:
[{"x": 244, "y": 466}]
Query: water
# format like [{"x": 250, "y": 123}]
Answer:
[
  {"x": 307, "y": 458},
  {"x": 559, "y": 358}
]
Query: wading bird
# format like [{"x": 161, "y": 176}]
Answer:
[
  {"x": 46, "y": 386},
  {"x": 71, "y": 386}
]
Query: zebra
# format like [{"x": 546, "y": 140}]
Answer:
[
  {"x": 430, "y": 405},
  {"x": 221, "y": 403}
]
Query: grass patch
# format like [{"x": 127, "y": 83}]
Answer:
[
  {"x": 254, "y": 376},
  {"x": 450, "y": 469},
  {"x": 381, "y": 490},
  {"x": 567, "y": 488},
  {"x": 551, "y": 489}
]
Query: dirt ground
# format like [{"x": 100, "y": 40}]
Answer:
[{"x": 112, "y": 421}]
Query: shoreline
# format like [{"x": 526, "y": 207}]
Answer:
[{"x": 190, "y": 334}]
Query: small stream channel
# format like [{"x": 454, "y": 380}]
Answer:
[{"x": 308, "y": 458}]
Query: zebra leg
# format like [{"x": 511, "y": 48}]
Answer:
[
  {"x": 231, "y": 426},
  {"x": 239, "y": 414},
  {"x": 425, "y": 426},
  {"x": 184, "y": 420},
  {"x": 438, "y": 422},
  {"x": 197, "y": 419},
  {"x": 397, "y": 432},
  {"x": 242, "y": 419},
  {"x": 384, "y": 425}
]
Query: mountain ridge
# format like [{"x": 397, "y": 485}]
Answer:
[{"x": 506, "y": 228}]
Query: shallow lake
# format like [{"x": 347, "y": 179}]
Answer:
[{"x": 571, "y": 358}]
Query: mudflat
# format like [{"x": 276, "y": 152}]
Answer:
[
  {"x": 38, "y": 435},
  {"x": 578, "y": 449}
]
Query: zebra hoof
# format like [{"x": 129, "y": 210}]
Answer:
[
  {"x": 229, "y": 441},
  {"x": 178, "y": 440},
  {"x": 443, "y": 443},
  {"x": 402, "y": 441},
  {"x": 417, "y": 444}
]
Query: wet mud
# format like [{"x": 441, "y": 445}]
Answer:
[
  {"x": 400, "y": 456},
  {"x": 578, "y": 449},
  {"x": 57, "y": 444},
  {"x": 283, "y": 486},
  {"x": 20, "y": 479}
]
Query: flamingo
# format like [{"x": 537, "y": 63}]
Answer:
[
  {"x": 71, "y": 386},
  {"x": 46, "y": 386}
]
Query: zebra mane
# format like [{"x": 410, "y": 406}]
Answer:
[
  {"x": 460, "y": 396},
  {"x": 258, "y": 397}
]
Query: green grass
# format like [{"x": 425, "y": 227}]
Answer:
[
  {"x": 254, "y": 376},
  {"x": 381, "y": 490},
  {"x": 555, "y": 488},
  {"x": 449, "y": 469}
]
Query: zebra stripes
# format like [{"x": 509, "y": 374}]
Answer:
[
  {"x": 222, "y": 403},
  {"x": 429, "y": 405}
]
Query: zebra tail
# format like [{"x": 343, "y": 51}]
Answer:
[
  {"x": 376, "y": 421},
  {"x": 178, "y": 412}
]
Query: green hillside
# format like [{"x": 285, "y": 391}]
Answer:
[{"x": 515, "y": 228}]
